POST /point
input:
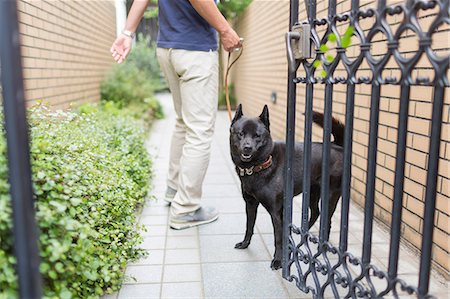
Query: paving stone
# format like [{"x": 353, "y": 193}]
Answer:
[
  {"x": 140, "y": 291},
  {"x": 182, "y": 273},
  {"x": 226, "y": 205},
  {"x": 293, "y": 291},
  {"x": 182, "y": 256},
  {"x": 110, "y": 296},
  {"x": 241, "y": 280},
  {"x": 154, "y": 257},
  {"x": 264, "y": 222},
  {"x": 182, "y": 290},
  {"x": 182, "y": 242},
  {"x": 218, "y": 178},
  {"x": 143, "y": 274},
  {"x": 155, "y": 230},
  {"x": 269, "y": 242},
  {"x": 152, "y": 242},
  {"x": 225, "y": 225},
  {"x": 153, "y": 220},
  {"x": 221, "y": 249},
  {"x": 155, "y": 210},
  {"x": 221, "y": 190},
  {"x": 193, "y": 231}
]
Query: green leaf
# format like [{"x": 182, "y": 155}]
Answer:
[
  {"x": 349, "y": 31},
  {"x": 75, "y": 201},
  {"x": 65, "y": 294},
  {"x": 316, "y": 63},
  {"x": 44, "y": 267},
  {"x": 345, "y": 42},
  {"x": 59, "y": 267},
  {"x": 332, "y": 37},
  {"x": 329, "y": 58},
  {"x": 323, "y": 48},
  {"x": 52, "y": 274},
  {"x": 323, "y": 73}
]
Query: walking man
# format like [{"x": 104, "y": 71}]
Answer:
[{"x": 187, "y": 53}]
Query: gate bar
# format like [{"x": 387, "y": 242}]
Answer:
[
  {"x": 325, "y": 183},
  {"x": 307, "y": 138},
  {"x": 348, "y": 145},
  {"x": 290, "y": 143},
  {"x": 430, "y": 195},
  {"x": 372, "y": 161},
  {"x": 397, "y": 204},
  {"x": 347, "y": 171},
  {"x": 325, "y": 179},
  {"x": 371, "y": 170},
  {"x": 24, "y": 222}
]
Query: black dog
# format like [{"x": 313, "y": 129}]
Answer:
[{"x": 260, "y": 165}]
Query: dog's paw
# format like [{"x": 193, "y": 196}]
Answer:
[
  {"x": 275, "y": 264},
  {"x": 242, "y": 245}
]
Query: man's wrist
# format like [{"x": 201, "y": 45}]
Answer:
[{"x": 129, "y": 33}]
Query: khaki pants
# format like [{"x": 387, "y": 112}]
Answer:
[{"x": 193, "y": 81}]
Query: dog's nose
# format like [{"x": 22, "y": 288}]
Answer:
[{"x": 247, "y": 149}]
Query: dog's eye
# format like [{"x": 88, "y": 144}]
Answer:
[
  {"x": 241, "y": 134},
  {"x": 257, "y": 136}
]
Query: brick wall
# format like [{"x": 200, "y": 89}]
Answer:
[
  {"x": 263, "y": 70},
  {"x": 65, "y": 49}
]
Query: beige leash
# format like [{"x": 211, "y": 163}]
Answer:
[{"x": 227, "y": 96}]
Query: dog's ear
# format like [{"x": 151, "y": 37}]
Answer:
[
  {"x": 264, "y": 117},
  {"x": 238, "y": 114}
]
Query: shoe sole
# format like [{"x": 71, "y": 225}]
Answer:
[{"x": 184, "y": 225}]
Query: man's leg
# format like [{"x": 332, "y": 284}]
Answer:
[
  {"x": 198, "y": 72},
  {"x": 179, "y": 133}
]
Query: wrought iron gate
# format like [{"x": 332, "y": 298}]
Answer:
[{"x": 321, "y": 267}]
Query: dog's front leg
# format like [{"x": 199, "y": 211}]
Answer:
[
  {"x": 277, "y": 221},
  {"x": 251, "y": 206}
]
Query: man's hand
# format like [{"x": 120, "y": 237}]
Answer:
[
  {"x": 230, "y": 40},
  {"x": 121, "y": 48},
  {"x": 209, "y": 11}
]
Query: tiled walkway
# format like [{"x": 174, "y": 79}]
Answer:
[{"x": 202, "y": 262}]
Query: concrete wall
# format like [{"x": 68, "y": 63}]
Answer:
[
  {"x": 65, "y": 49},
  {"x": 262, "y": 70}
]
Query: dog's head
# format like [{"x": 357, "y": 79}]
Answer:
[{"x": 250, "y": 139}]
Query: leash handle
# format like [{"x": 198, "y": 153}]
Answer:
[{"x": 227, "y": 95}]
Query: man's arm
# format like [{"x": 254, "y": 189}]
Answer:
[
  {"x": 122, "y": 45},
  {"x": 135, "y": 15},
  {"x": 209, "y": 11}
]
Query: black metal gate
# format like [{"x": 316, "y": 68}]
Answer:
[{"x": 317, "y": 266}]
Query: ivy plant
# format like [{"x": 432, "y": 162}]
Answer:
[
  {"x": 91, "y": 172},
  {"x": 346, "y": 40}
]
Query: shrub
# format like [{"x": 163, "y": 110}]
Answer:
[
  {"x": 125, "y": 84},
  {"x": 233, "y": 8},
  {"x": 136, "y": 80},
  {"x": 231, "y": 94},
  {"x": 143, "y": 56},
  {"x": 90, "y": 173}
]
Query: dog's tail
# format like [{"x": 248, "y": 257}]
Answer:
[{"x": 337, "y": 128}]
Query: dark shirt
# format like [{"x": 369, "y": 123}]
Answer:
[{"x": 181, "y": 27}]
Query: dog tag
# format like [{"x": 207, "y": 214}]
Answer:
[{"x": 249, "y": 171}]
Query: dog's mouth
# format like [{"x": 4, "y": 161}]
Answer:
[{"x": 246, "y": 158}]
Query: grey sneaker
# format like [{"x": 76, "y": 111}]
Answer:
[
  {"x": 170, "y": 194},
  {"x": 203, "y": 215}
]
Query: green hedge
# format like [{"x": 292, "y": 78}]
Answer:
[{"x": 90, "y": 172}]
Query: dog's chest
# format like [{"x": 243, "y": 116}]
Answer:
[{"x": 259, "y": 187}]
